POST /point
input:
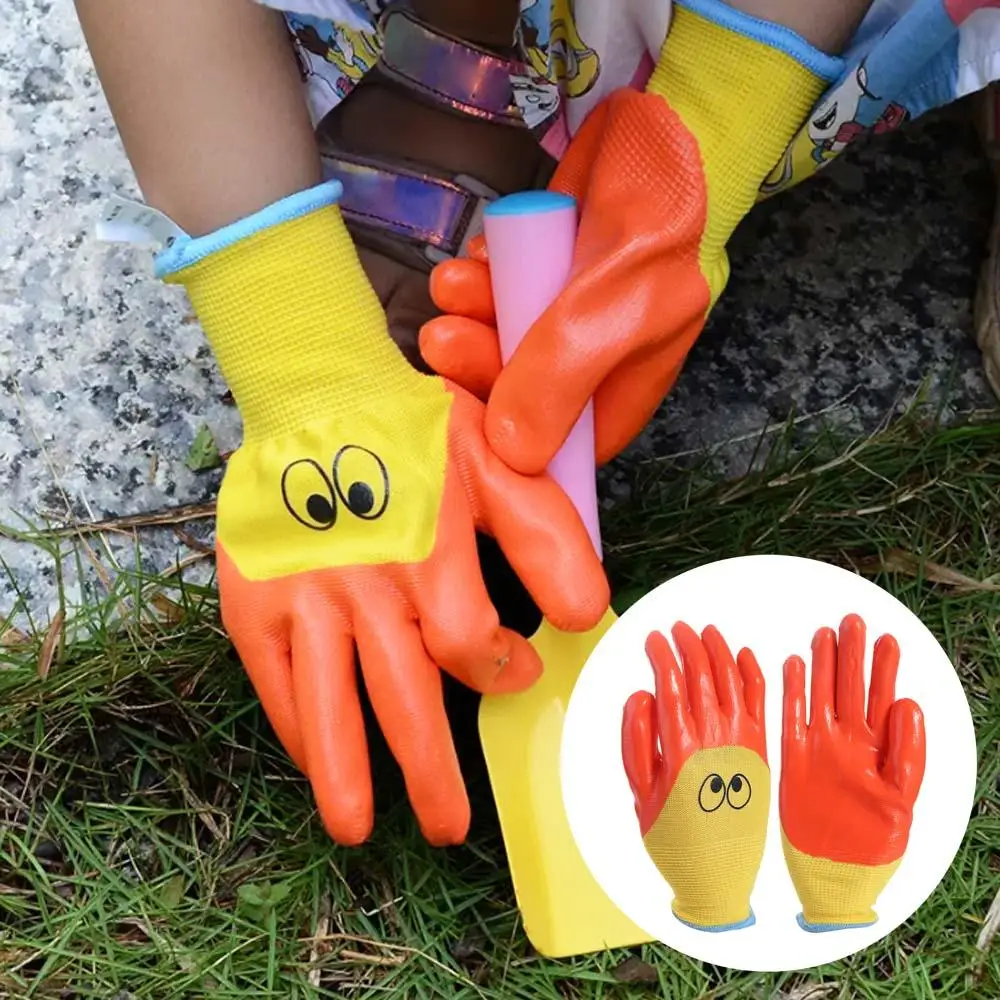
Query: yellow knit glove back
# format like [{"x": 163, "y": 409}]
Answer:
[
  {"x": 741, "y": 87},
  {"x": 695, "y": 755},
  {"x": 290, "y": 308},
  {"x": 347, "y": 519}
]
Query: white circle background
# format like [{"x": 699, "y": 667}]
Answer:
[{"x": 773, "y": 604}]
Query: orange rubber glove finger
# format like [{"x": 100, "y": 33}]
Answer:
[
  {"x": 462, "y": 287},
  {"x": 543, "y": 538},
  {"x": 753, "y": 685},
  {"x": 676, "y": 724},
  {"x": 700, "y": 684},
  {"x": 265, "y": 656},
  {"x": 332, "y": 726},
  {"x": 639, "y": 747},
  {"x": 463, "y": 350},
  {"x": 638, "y": 386},
  {"x": 906, "y": 750},
  {"x": 461, "y": 628},
  {"x": 851, "y": 676},
  {"x": 534, "y": 405},
  {"x": 728, "y": 683},
  {"x": 882, "y": 690},
  {"x": 793, "y": 708},
  {"x": 406, "y": 693},
  {"x": 824, "y": 676}
]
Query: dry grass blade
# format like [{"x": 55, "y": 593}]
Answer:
[
  {"x": 14, "y": 637},
  {"x": 318, "y": 947},
  {"x": 129, "y": 522},
  {"x": 358, "y": 956},
  {"x": 990, "y": 926},
  {"x": 909, "y": 564},
  {"x": 171, "y": 611},
  {"x": 50, "y": 644}
]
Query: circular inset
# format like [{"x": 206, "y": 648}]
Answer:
[{"x": 777, "y": 607}]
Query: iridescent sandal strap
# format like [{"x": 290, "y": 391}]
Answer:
[
  {"x": 446, "y": 70},
  {"x": 432, "y": 217}
]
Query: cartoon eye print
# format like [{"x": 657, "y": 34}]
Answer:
[
  {"x": 309, "y": 495},
  {"x": 738, "y": 791},
  {"x": 826, "y": 120},
  {"x": 361, "y": 481},
  {"x": 712, "y": 793}
]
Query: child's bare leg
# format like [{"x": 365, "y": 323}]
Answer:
[
  {"x": 390, "y": 123},
  {"x": 212, "y": 115},
  {"x": 827, "y": 24}
]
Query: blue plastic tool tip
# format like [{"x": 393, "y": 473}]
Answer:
[{"x": 530, "y": 203}]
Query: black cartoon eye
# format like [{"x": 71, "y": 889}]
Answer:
[
  {"x": 362, "y": 481},
  {"x": 309, "y": 495},
  {"x": 712, "y": 793},
  {"x": 825, "y": 121},
  {"x": 738, "y": 792}
]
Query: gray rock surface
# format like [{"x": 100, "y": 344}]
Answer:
[{"x": 846, "y": 294}]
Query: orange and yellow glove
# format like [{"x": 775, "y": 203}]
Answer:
[
  {"x": 696, "y": 760},
  {"x": 848, "y": 782},
  {"x": 347, "y": 519},
  {"x": 662, "y": 179}
]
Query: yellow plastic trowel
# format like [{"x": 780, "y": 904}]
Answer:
[{"x": 530, "y": 239}]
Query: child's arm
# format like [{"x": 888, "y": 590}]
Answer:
[
  {"x": 209, "y": 103},
  {"x": 828, "y": 26}
]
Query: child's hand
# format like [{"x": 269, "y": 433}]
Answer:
[
  {"x": 662, "y": 179},
  {"x": 347, "y": 518}
]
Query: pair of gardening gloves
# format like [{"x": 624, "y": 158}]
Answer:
[
  {"x": 695, "y": 755},
  {"x": 347, "y": 518}
]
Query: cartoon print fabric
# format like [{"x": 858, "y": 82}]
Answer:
[{"x": 908, "y": 57}]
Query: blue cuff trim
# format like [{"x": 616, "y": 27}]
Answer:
[
  {"x": 825, "y": 928},
  {"x": 768, "y": 33},
  {"x": 720, "y": 928},
  {"x": 187, "y": 251}
]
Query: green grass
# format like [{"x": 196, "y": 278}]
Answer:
[{"x": 155, "y": 843}]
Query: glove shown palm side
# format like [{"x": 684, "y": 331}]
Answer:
[
  {"x": 347, "y": 518},
  {"x": 696, "y": 761},
  {"x": 848, "y": 780},
  {"x": 662, "y": 179}
]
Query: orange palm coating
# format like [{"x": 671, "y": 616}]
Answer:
[
  {"x": 635, "y": 304},
  {"x": 715, "y": 702},
  {"x": 297, "y": 635},
  {"x": 849, "y": 780}
]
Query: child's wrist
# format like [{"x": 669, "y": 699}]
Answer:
[{"x": 776, "y": 36}]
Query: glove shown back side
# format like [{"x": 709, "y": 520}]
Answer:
[{"x": 695, "y": 754}]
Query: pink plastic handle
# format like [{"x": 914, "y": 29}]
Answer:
[{"x": 530, "y": 238}]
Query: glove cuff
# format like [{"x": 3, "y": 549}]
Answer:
[
  {"x": 742, "y": 87},
  {"x": 768, "y": 34},
  {"x": 713, "y": 922},
  {"x": 291, "y": 316},
  {"x": 835, "y": 895}
]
